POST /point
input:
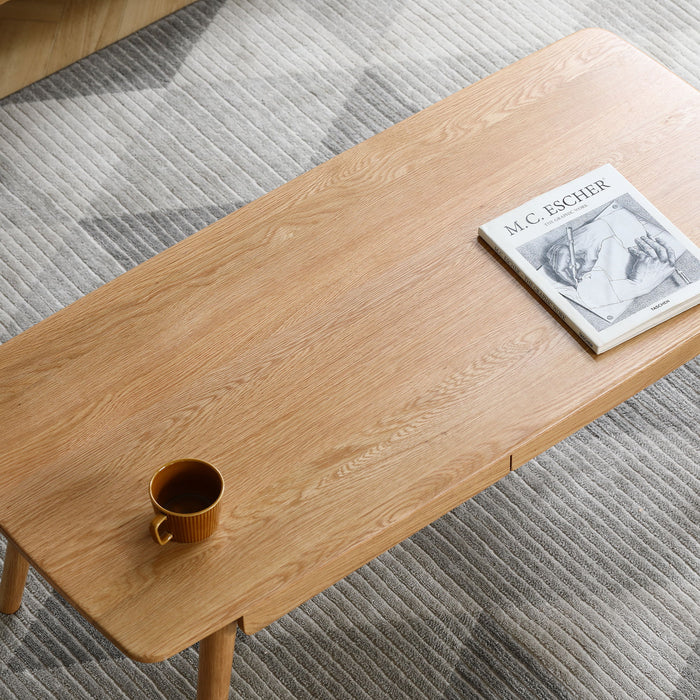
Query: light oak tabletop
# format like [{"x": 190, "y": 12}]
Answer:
[{"x": 344, "y": 350}]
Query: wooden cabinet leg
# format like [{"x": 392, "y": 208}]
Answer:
[
  {"x": 14, "y": 576},
  {"x": 215, "y": 660}
]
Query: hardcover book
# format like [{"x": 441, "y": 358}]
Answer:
[{"x": 601, "y": 255}]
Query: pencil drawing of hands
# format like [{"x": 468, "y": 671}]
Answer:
[
  {"x": 617, "y": 258},
  {"x": 588, "y": 242},
  {"x": 651, "y": 261}
]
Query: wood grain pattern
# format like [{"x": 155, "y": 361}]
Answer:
[
  {"x": 14, "y": 575},
  {"x": 215, "y": 658},
  {"x": 344, "y": 350},
  {"x": 38, "y": 37}
]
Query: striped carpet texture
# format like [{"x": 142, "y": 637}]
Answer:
[{"x": 578, "y": 576}]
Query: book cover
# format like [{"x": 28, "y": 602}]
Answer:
[{"x": 601, "y": 255}]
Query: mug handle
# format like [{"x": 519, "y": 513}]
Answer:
[{"x": 155, "y": 529}]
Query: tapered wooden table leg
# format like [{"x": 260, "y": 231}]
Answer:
[
  {"x": 215, "y": 660},
  {"x": 14, "y": 576}
]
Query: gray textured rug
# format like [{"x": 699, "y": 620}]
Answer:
[{"x": 578, "y": 576}]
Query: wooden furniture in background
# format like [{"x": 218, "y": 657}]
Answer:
[
  {"x": 344, "y": 350},
  {"x": 38, "y": 37}
]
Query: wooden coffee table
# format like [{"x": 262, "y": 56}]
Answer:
[{"x": 344, "y": 349}]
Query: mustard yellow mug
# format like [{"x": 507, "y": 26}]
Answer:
[{"x": 186, "y": 497}]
